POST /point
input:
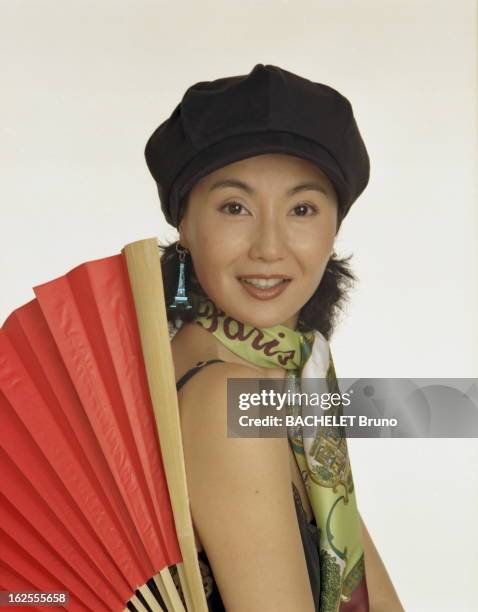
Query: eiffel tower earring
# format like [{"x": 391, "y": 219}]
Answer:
[{"x": 181, "y": 300}]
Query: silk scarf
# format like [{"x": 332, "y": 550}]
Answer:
[{"x": 323, "y": 459}]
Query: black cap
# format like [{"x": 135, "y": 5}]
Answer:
[{"x": 269, "y": 110}]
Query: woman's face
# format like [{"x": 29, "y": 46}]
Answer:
[{"x": 266, "y": 215}]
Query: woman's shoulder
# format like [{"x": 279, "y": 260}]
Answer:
[
  {"x": 246, "y": 482},
  {"x": 208, "y": 384},
  {"x": 193, "y": 344}
]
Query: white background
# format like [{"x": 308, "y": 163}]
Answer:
[{"x": 85, "y": 83}]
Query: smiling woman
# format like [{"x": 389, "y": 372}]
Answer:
[
  {"x": 260, "y": 232},
  {"x": 308, "y": 211},
  {"x": 257, "y": 173}
]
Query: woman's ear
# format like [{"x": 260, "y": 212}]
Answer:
[
  {"x": 183, "y": 226},
  {"x": 183, "y": 241}
]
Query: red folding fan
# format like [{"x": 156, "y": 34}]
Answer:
[{"x": 93, "y": 499}]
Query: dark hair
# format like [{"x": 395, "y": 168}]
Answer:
[{"x": 319, "y": 313}]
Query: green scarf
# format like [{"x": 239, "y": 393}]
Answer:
[{"x": 323, "y": 460}]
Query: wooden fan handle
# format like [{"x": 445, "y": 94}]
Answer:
[
  {"x": 144, "y": 271},
  {"x": 168, "y": 591},
  {"x": 150, "y": 598},
  {"x": 137, "y": 604}
]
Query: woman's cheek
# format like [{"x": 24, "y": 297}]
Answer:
[
  {"x": 207, "y": 244},
  {"x": 230, "y": 242},
  {"x": 316, "y": 246}
]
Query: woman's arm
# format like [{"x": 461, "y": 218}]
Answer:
[
  {"x": 242, "y": 503},
  {"x": 381, "y": 592}
]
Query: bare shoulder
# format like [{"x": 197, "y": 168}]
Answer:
[
  {"x": 241, "y": 501},
  {"x": 192, "y": 343},
  {"x": 203, "y": 399}
]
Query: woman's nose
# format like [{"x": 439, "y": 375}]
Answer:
[{"x": 269, "y": 242}]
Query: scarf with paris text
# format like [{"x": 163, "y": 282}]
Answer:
[{"x": 323, "y": 459}]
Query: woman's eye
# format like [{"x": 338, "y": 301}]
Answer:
[
  {"x": 303, "y": 208},
  {"x": 233, "y": 208}
]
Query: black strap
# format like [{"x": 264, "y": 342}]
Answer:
[{"x": 200, "y": 364}]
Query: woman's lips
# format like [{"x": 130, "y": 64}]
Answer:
[{"x": 266, "y": 293}]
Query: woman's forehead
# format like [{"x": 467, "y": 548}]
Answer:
[{"x": 284, "y": 167}]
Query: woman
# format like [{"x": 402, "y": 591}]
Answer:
[{"x": 257, "y": 173}]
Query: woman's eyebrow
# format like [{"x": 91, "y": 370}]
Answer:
[{"x": 307, "y": 186}]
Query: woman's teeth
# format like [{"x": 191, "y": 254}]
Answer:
[{"x": 264, "y": 283}]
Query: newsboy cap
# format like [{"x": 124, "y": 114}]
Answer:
[{"x": 269, "y": 110}]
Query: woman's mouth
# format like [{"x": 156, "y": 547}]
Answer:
[{"x": 264, "y": 288}]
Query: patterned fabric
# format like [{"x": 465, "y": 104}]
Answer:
[
  {"x": 267, "y": 347},
  {"x": 323, "y": 459},
  {"x": 206, "y": 575}
]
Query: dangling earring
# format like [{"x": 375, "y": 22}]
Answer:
[{"x": 181, "y": 300}]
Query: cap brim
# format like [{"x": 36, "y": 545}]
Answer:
[{"x": 242, "y": 146}]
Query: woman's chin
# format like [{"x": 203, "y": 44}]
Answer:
[
  {"x": 266, "y": 319},
  {"x": 258, "y": 313}
]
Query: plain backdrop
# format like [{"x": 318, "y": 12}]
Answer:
[{"x": 85, "y": 83}]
